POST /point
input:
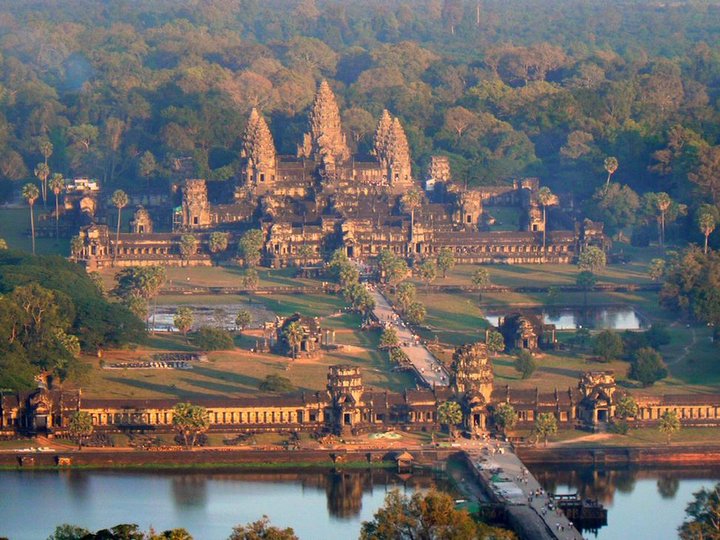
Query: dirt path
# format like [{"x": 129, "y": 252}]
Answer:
[{"x": 594, "y": 437}]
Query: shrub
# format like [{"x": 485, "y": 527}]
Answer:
[
  {"x": 276, "y": 383},
  {"x": 525, "y": 364},
  {"x": 213, "y": 339},
  {"x": 648, "y": 367}
]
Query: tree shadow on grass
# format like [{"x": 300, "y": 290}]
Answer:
[
  {"x": 221, "y": 388},
  {"x": 560, "y": 371},
  {"x": 159, "y": 388},
  {"x": 229, "y": 377}
]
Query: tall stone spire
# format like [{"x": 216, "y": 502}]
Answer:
[
  {"x": 382, "y": 136},
  {"x": 398, "y": 156},
  {"x": 259, "y": 149},
  {"x": 326, "y": 135}
]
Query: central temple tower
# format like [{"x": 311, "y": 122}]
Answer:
[{"x": 326, "y": 141}]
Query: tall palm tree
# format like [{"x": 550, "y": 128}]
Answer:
[
  {"x": 120, "y": 200},
  {"x": 57, "y": 185},
  {"x": 545, "y": 197},
  {"x": 707, "y": 219},
  {"x": 30, "y": 192},
  {"x": 46, "y": 149},
  {"x": 611, "y": 165},
  {"x": 410, "y": 202},
  {"x": 663, "y": 203},
  {"x": 42, "y": 171},
  {"x": 294, "y": 335}
]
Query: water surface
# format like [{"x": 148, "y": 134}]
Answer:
[
  {"x": 316, "y": 504},
  {"x": 565, "y": 318},
  {"x": 642, "y": 504}
]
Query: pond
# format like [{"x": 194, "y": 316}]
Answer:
[
  {"x": 644, "y": 504},
  {"x": 217, "y": 315},
  {"x": 322, "y": 504},
  {"x": 593, "y": 317}
]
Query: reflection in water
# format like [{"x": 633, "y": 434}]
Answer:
[
  {"x": 78, "y": 484},
  {"x": 189, "y": 490},
  {"x": 601, "y": 318},
  {"x": 642, "y": 503},
  {"x": 344, "y": 494},
  {"x": 317, "y": 504},
  {"x": 667, "y": 486}
]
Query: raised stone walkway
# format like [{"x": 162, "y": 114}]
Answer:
[
  {"x": 528, "y": 512},
  {"x": 427, "y": 368}
]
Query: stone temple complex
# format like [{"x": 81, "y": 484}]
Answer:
[{"x": 324, "y": 198}]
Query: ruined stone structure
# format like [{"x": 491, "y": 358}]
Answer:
[
  {"x": 309, "y": 337},
  {"x": 526, "y": 331},
  {"x": 324, "y": 198},
  {"x": 141, "y": 222}
]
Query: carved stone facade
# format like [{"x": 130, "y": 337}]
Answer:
[
  {"x": 325, "y": 143},
  {"x": 438, "y": 173},
  {"x": 195, "y": 205},
  {"x": 526, "y": 331},
  {"x": 141, "y": 222},
  {"x": 259, "y": 151},
  {"x": 472, "y": 380},
  {"x": 347, "y": 406}
]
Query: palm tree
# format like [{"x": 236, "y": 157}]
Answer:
[
  {"x": 294, "y": 334},
  {"x": 449, "y": 414},
  {"x": 611, "y": 165},
  {"x": 663, "y": 203},
  {"x": 410, "y": 202},
  {"x": 30, "y": 193},
  {"x": 120, "y": 200},
  {"x": 57, "y": 184},
  {"x": 42, "y": 171},
  {"x": 707, "y": 219},
  {"x": 46, "y": 149},
  {"x": 545, "y": 197}
]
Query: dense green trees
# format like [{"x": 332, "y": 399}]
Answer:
[
  {"x": 50, "y": 309},
  {"x": 126, "y": 92},
  {"x": 702, "y": 515},
  {"x": 691, "y": 285},
  {"x": 426, "y": 515}
]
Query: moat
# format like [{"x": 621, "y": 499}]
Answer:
[{"x": 645, "y": 504}]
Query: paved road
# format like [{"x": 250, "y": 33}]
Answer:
[
  {"x": 558, "y": 525},
  {"x": 428, "y": 368}
]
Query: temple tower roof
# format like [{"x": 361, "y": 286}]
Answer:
[
  {"x": 258, "y": 144},
  {"x": 327, "y": 140}
]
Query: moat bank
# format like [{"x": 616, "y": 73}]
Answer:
[
  {"x": 658, "y": 455},
  {"x": 128, "y": 458}
]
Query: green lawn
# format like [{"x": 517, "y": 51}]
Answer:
[
  {"x": 15, "y": 229},
  {"x": 636, "y": 437},
  {"x": 523, "y": 275},
  {"x": 507, "y": 218}
]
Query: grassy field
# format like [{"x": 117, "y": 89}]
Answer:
[
  {"x": 452, "y": 318},
  {"x": 239, "y": 372},
  {"x": 635, "y": 437},
  {"x": 15, "y": 229},
  {"x": 547, "y": 275}
]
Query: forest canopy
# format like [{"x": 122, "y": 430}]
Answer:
[
  {"x": 122, "y": 90},
  {"x": 50, "y": 310}
]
